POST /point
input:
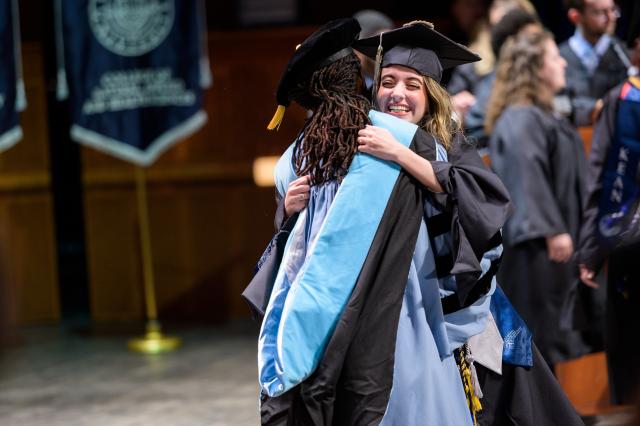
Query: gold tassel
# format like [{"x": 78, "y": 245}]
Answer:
[
  {"x": 376, "y": 72},
  {"x": 277, "y": 118},
  {"x": 467, "y": 381}
]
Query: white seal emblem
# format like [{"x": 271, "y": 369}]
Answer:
[{"x": 131, "y": 27}]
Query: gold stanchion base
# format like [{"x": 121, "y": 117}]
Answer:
[{"x": 154, "y": 342}]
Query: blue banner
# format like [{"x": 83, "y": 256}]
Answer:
[
  {"x": 133, "y": 71},
  {"x": 12, "y": 97}
]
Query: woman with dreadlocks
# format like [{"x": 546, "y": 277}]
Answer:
[{"x": 329, "y": 143}]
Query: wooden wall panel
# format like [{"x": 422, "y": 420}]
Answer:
[
  {"x": 31, "y": 265},
  {"x": 27, "y": 236},
  {"x": 112, "y": 255},
  {"x": 205, "y": 239}
]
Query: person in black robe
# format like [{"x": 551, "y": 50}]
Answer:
[
  {"x": 540, "y": 158},
  {"x": 623, "y": 275}
]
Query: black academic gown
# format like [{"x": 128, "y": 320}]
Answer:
[
  {"x": 622, "y": 335},
  {"x": 361, "y": 350},
  {"x": 352, "y": 383},
  {"x": 584, "y": 88},
  {"x": 524, "y": 397},
  {"x": 540, "y": 159}
]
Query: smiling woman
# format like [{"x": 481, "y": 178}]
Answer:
[
  {"x": 402, "y": 93},
  {"x": 412, "y": 61},
  {"x": 411, "y": 69}
]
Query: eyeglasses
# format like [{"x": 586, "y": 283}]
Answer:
[{"x": 606, "y": 13}]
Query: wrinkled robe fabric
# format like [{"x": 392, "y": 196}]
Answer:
[
  {"x": 541, "y": 160},
  {"x": 354, "y": 379},
  {"x": 623, "y": 276}
]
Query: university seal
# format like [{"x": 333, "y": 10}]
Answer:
[{"x": 131, "y": 27}]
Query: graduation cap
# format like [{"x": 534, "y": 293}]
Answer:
[
  {"x": 416, "y": 45},
  {"x": 328, "y": 44}
]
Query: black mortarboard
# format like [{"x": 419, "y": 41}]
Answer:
[
  {"x": 416, "y": 45},
  {"x": 328, "y": 44}
]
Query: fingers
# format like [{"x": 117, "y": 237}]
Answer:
[
  {"x": 369, "y": 132},
  {"x": 589, "y": 282},
  {"x": 295, "y": 203},
  {"x": 299, "y": 186},
  {"x": 587, "y": 277},
  {"x": 300, "y": 189},
  {"x": 304, "y": 180},
  {"x": 297, "y": 195}
]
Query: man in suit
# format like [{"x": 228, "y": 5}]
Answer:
[{"x": 596, "y": 60}]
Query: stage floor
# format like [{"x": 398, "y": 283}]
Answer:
[
  {"x": 58, "y": 377},
  {"x": 61, "y": 378}
]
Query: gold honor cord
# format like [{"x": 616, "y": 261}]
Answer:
[
  {"x": 153, "y": 342},
  {"x": 473, "y": 399}
]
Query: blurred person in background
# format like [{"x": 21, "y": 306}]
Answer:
[
  {"x": 614, "y": 189},
  {"x": 372, "y": 23},
  {"x": 596, "y": 59},
  {"x": 513, "y": 23},
  {"x": 466, "y": 78},
  {"x": 541, "y": 160}
]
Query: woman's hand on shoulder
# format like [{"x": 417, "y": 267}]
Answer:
[
  {"x": 379, "y": 142},
  {"x": 297, "y": 195}
]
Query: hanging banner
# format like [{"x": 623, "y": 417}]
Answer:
[
  {"x": 133, "y": 71},
  {"x": 12, "y": 96}
]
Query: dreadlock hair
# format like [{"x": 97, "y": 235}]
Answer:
[{"x": 339, "y": 109}]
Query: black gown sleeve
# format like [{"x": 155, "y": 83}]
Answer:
[
  {"x": 521, "y": 147},
  {"x": 478, "y": 203},
  {"x": 590, "y": 252}
]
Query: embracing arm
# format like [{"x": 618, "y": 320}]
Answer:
[
  {"x": 292, "y": 192},
  {"x": 380, "y": 143}
]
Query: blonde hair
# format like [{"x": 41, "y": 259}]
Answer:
[
  {"x": 518, "y": 80},
  {"x": 438, "y": 119}
]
